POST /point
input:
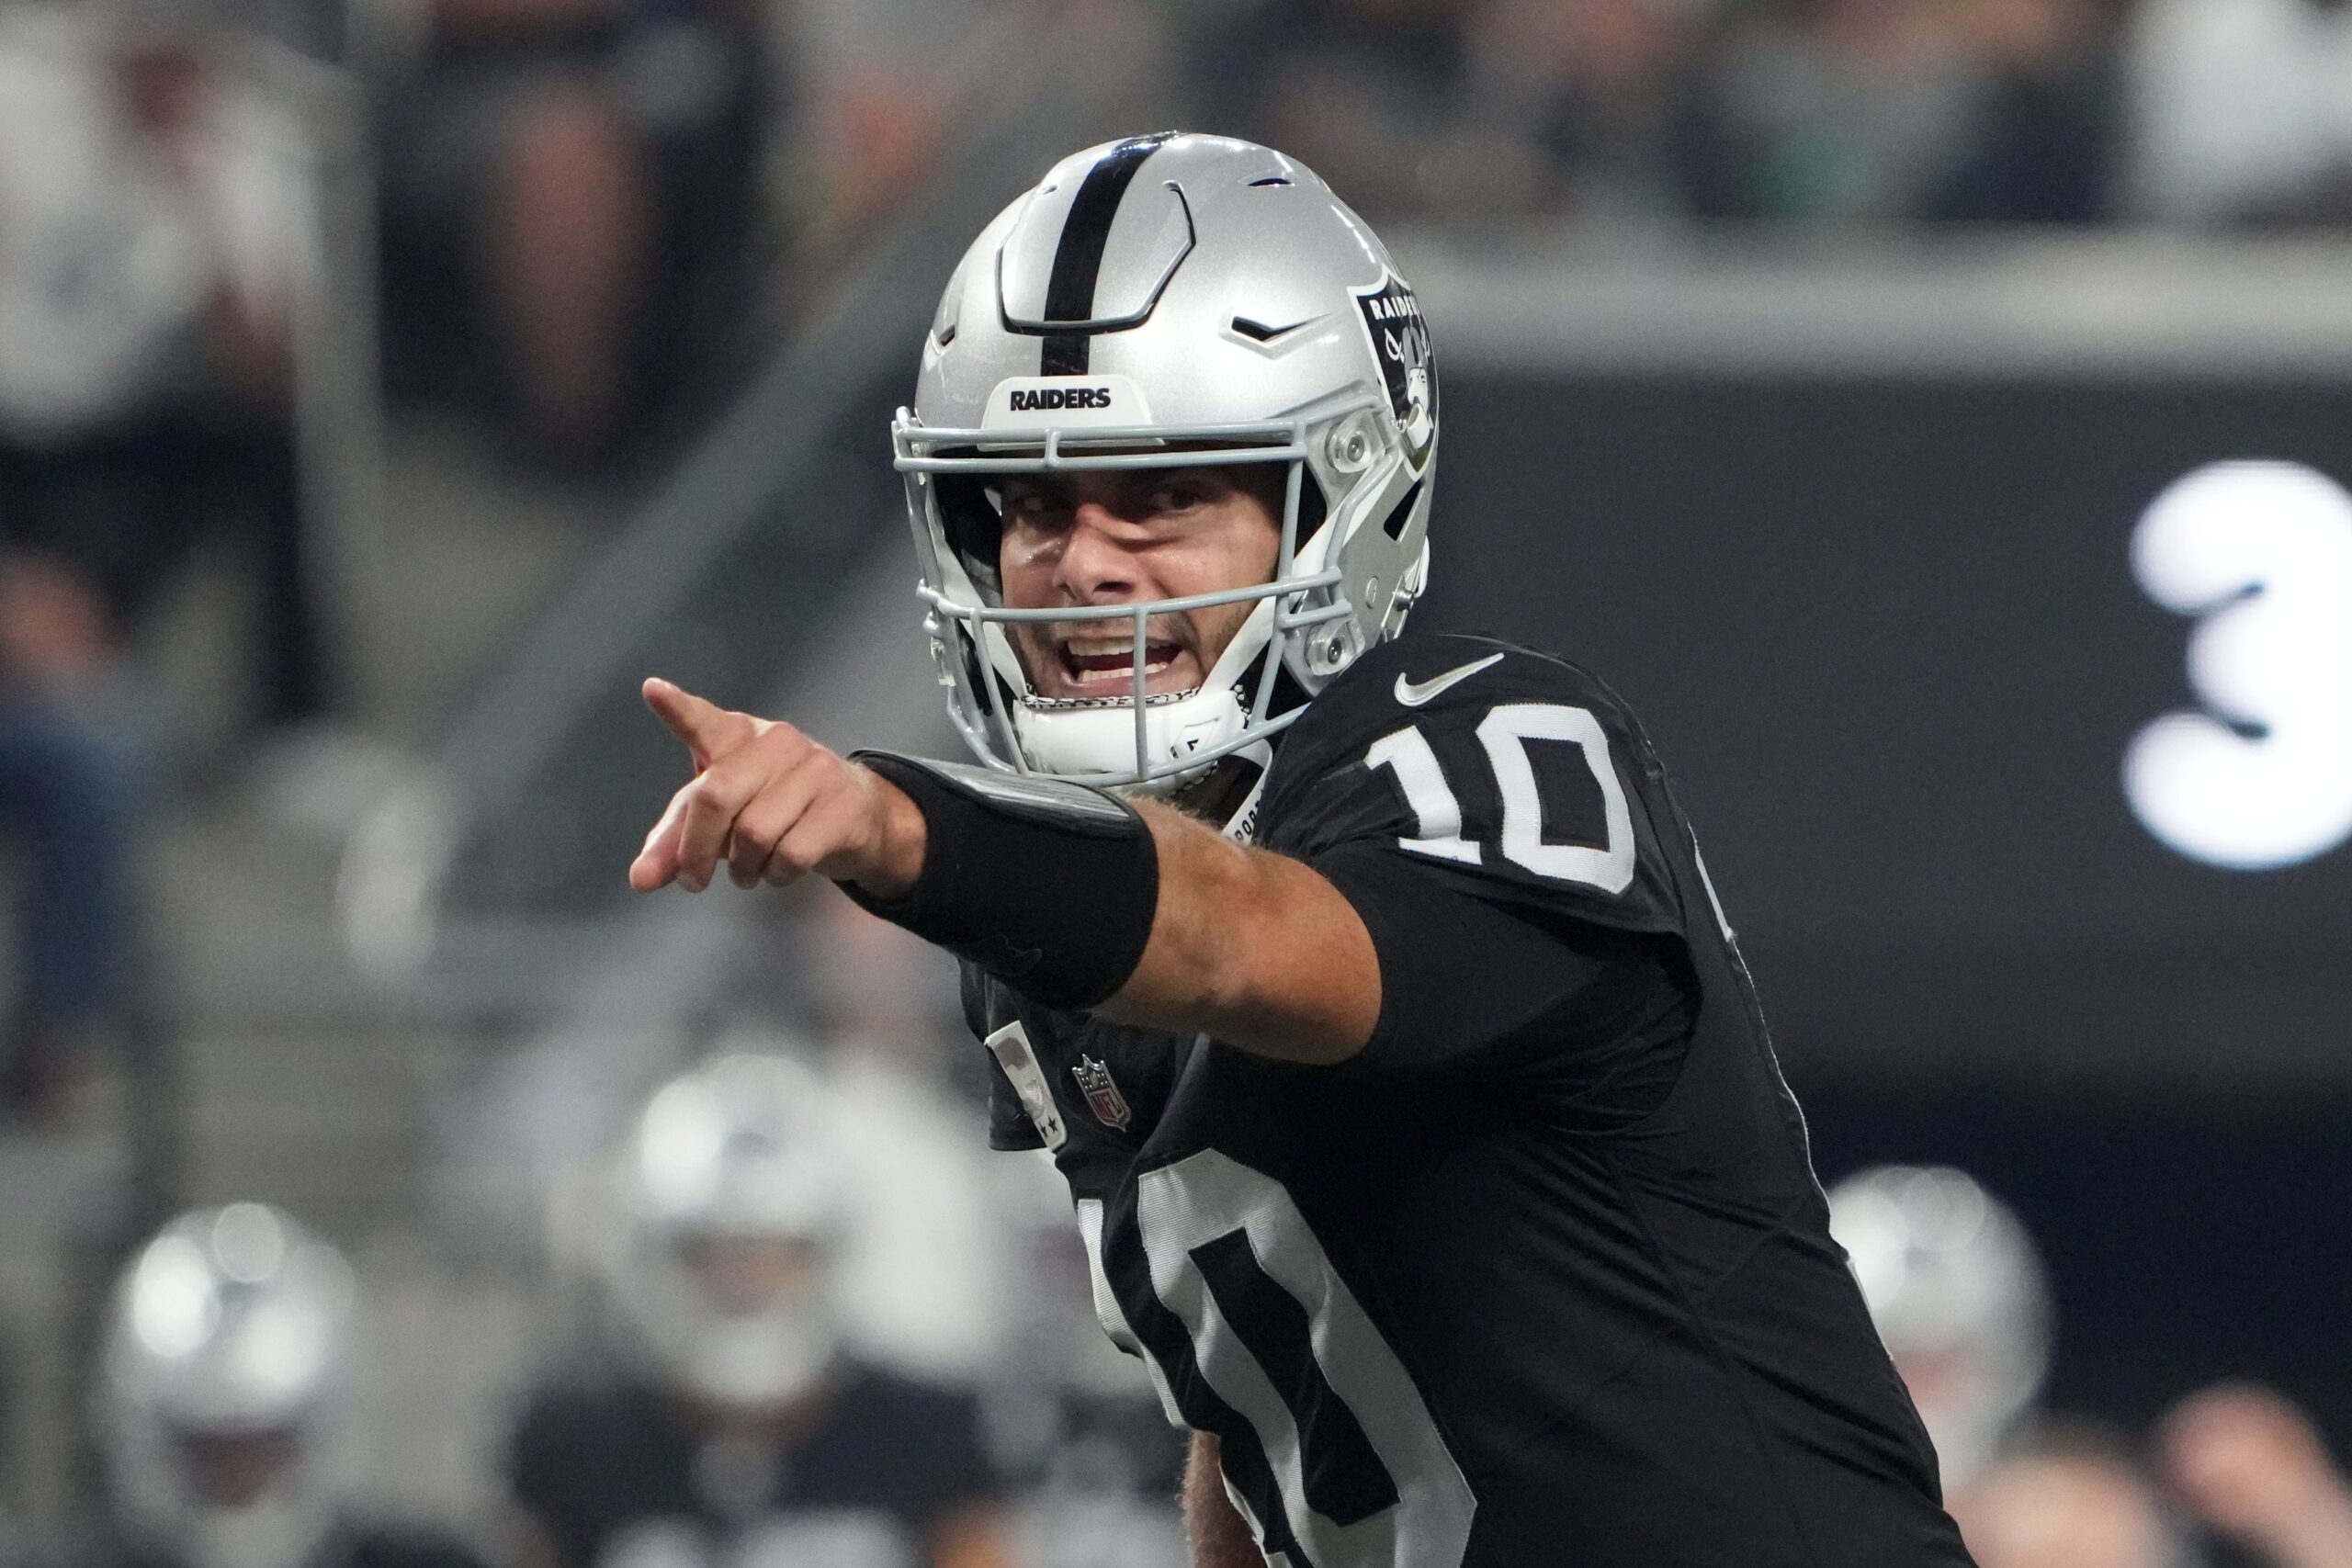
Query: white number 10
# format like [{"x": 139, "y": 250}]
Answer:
[{"x": 1505, "y": 732}]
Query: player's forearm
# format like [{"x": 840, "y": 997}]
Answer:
[
  {"x": 1253, "y": 948},
  {"x": 1219, "y": 1536},
  {"x": 895, "y": 861},
  {"x": 1144, "y": 915}
]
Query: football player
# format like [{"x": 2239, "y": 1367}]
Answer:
[
  {"x": 1958, "y": 1295},
  {"x": 1368, "y": 990},
  {"x": 225, "y": 1406},
  {"x": 735, "y": 1428}
]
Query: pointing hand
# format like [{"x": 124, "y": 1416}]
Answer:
[{"x": 775, "y": 805}]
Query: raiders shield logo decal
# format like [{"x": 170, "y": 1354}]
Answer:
[
  {"x": 1400, "y": 342},
  {"x": 1109, "y": 1105}
]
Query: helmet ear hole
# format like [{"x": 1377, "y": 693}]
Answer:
[
  {"x": 958, "y": 651},
  {"x": 1314, "y": 506},
  {"x": 1007, "y": 699}
]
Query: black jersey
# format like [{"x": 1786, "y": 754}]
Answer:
[
  {"x": 619, "y": 1481},
  {"x": 1542, "y": 1275}
]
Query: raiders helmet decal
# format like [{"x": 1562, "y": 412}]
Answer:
[{"x": 1400, "y": 342}]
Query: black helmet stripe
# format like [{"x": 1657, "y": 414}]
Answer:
[{"x": 1078, "y": 259}]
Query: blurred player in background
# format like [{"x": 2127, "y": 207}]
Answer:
[
  {"x": 731, "y": 1426},
  {"x": 226, "y": 1406},
  {"x": 1958, "y": 1295},
  {"x": 1073, "y": 1419}
]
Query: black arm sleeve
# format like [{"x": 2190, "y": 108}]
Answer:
[{"x": 1048, "y": 886}]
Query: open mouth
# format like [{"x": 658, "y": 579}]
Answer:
[{"x": 1106, "y": 666}]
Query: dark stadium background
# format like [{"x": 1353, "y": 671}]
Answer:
[{"x": 1885, "y": 632}]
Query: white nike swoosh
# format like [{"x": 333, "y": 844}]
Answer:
[{"x": 1413, "y": 696}]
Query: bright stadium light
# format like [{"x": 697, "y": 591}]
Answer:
[{"x": 2262, "y": 553}]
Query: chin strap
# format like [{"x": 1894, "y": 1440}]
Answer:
[{"x": 1051, "y": 886}]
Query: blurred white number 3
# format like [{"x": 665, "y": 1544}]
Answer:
[{"x": 2261, "y": 552}]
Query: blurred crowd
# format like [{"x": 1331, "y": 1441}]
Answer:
[
  {"x": 1834, "y": 115},
  {"x": 231, "y": 232}
]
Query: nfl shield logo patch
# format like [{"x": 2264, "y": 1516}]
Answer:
[{"x": 1109, "y": 1105}]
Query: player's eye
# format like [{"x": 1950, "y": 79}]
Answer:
[
  {"x": 1031, "y": 508},
  {"x": 1177, "y": 495}
]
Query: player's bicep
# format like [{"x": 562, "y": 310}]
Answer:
[{"x": 1311, "y": 973}]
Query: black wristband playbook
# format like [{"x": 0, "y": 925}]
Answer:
[{"x": 1048, "y": 886}]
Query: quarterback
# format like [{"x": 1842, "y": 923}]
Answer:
[{"x": 1367, "y": 988}]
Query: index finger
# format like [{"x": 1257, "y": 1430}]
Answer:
[{"x": 707, "y": 729}]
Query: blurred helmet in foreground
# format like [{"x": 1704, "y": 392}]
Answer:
[
  {"x": 1957, "y": 1292},
  {"x": 221, "y": 1396},
  {"x": 733, "y": 1197}
]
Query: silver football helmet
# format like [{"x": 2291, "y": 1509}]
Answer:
[
  {"x": 733, "y": 1198},
  {"x": 1166, "y": 301},
  {"x": 222, "y": 1400},
  {"x": 1958, "y": 1293}
]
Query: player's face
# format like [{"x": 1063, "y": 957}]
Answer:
[
  {"x": 744, "y": 1275},
  {"x": 1124, "y": 537},
  {"x": 233, "y": 1469}
]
